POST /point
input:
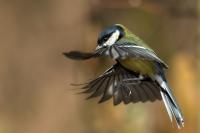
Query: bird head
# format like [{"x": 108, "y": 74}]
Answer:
[{"x": 110, "y": 35}]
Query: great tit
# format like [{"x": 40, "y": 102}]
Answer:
[{"x": 138, "y": 75}]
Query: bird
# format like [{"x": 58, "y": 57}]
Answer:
[{"x": 137, "y": 76}]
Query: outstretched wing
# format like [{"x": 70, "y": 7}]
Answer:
[
  {"x": 78, "y": 55},
  {"x": 122, "y": 50},
  {"x": 110, "y": 84},
  {"x": 119, "y": 50}
]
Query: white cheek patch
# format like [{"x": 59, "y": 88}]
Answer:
[{"x": 112, "y": 39}]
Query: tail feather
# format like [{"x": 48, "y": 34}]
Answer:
[
  {"x": 166, "y": 102},
  {"x": 170, "y": 103}
]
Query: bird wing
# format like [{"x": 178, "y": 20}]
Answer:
[
  {"x": 122, "y": 50},
  {"x": 110, "y": 84},
  {"x": 78, "y": 55}
]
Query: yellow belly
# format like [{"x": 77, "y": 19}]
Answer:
[{"x": 137, "y": 65}]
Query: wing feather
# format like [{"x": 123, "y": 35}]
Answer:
[
  {"x": 117, "y": 96},
  {"x": 119, "y": 50},
  {"x": 99, "y": 89},
  {"x": 149, "y": 92},
  {"x": 111, "y": 84},
  {"x": 108, "y": 92},
  {"x": 131, "y": 50}
]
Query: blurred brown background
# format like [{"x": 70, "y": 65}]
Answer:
[{"x": 35, "y": 95}]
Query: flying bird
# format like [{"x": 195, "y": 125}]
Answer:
[{"x": 138, "y": 75}]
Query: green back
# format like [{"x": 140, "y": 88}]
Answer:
[{"x": 132, "y": 38}]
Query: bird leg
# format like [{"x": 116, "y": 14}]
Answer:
[{"x": 132, "y": 81}]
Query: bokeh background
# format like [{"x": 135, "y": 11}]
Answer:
[{"x": 35, "y": 91}]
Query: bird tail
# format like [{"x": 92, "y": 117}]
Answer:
[{"x": 172, "y": 107}]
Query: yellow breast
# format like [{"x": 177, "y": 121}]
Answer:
[{"x": 138, "y": 65}]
